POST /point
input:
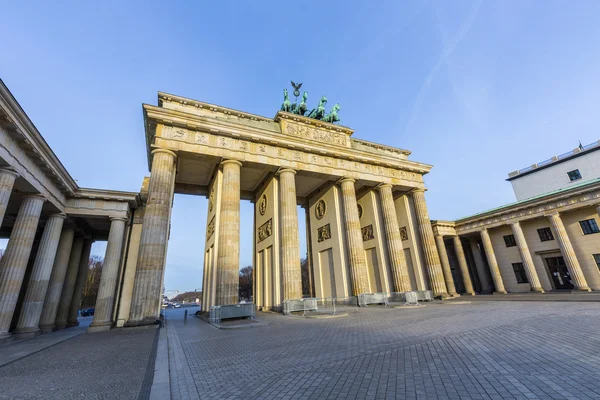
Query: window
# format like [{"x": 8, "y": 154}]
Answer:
[
  {"x": 510, "y": 240},
  {"x": 545, "y": 234},
  {"x": 574, "y": 175},
  {"x": 589, "y": 226},
  {"x": 520, "y": 273},
  {"x": 597, "y": 259}
]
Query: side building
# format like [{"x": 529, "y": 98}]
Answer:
[{"x": 548, "y": 240}]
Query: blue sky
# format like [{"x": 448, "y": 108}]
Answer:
[{"x": 476, "y": 88}]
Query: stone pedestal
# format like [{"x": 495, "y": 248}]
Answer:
[
  {"x": 492, "y": 262},
  {"x": 530, "y": 271},
  {"x": 57, "y": 279},
  {"x": 14, "y": 261},
  {"x": 358, "y": 264},
  {"x": 7, "y": 180},
  {"x": 108, "y": 281},
  {"x": 228, "y": 259},
  {"x": 568, "y": 253},
  {"x": 441, "y": 246},
  {"x": 394, "y": 241},
  {"x": 432, "y": 258},
  {"x": 82, "y": 273},
  {"x": 462, "y": 263},
  {"x": 290, "y": 242},
  {"x": 69, "y": 285},
  {"x": 40, "y": 277},
  {"x": 147, "y": 289}
]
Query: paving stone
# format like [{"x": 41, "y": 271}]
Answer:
[{"x": 482, "y": 350}]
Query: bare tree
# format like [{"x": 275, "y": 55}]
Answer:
[
  {"x": 246, "y": 276},
  {"x": 304, "y": 270},
  {"x": 90, "y": 289}
]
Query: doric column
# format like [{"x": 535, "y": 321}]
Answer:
[
  {"x": 57, "y": 279},
  {"x": 108, "y": 280},
  {"x": 145, "y": 301},
  {"x": 441, "y": 246},
  {"x": 69, "y": 285},
  {"x": 82, "y": 273},
  {"x": 7, "y": 180},
  {"x": 394, "y": 241},
  {"x": 228, "y": 258},
  {"x": 290, "y": 241},
  {"x": 530, "y": 271},
  {"x": 462, "y": 263},
  {"x": 491, "y": 259},
  {"x": 432, "y": 258},
  {"x": 568, "y": 253},
  {"x": 40, "y": 277},
  {"x": 358, "y": 264},
  {"x": 14, "y": 261},
  {"x": 480, "y": 266}
]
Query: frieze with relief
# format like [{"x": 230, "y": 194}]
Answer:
[
  {"x": 232, "y": 144},
  {"x": 210, "y": 229},
  {"x": 265, "y": 230},
  {"x": 316, "y": 134},
  {"x": 367, "y": 233},
  {"x": 324, "y": 233}
]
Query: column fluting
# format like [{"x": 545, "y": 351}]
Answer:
[
  {"x": 146, "y": 297},
  {"x": 432, "y": 258},
  {"x": 228, "y": 257},
  {"x": 492, "y": 262},
  {"x": 358, "y": 263},
  {"x": 16, "y": 256},
  {"x": 7, "y": 181},
  {"x": 566, "y": 248},
  {"x": 82, "y": 273},
  {"x": 394, "y": 241},
  {"x": 69, "y": 284},
  {"x": 441, "y": 246},
  {"x": 530, "y": 271},
  {"x": 290, "y": 241},
  {"x": 462, "y": 263},
  {"x": 33, "y": 302},
  {"x": 57, "y": 279},
  {"x": 105, "y": 300}
]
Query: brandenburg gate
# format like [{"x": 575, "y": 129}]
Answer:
[{"x": 368, "y": 228}]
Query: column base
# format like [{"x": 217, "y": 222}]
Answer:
[
  {"x": 142, "y": 322},
  {"x": 26, "y": 333},
  {"x": 579, "y": 290},
  {"x": 538, "y": 290},
  {"x": 71, "y": 324},
  {"x": 5, "y": 336},
  {"x": 100, "y": 327},
  {"x": 500, "y": 292},
  {"x": 62, "y": 325},
  {"x": 468, "y": 294},
  {"x": 47, "y": 328}
]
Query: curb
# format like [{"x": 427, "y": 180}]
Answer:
[{"x": 161, "y": 384}]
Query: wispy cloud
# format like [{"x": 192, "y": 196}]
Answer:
[{"x": 464, "y": 29}]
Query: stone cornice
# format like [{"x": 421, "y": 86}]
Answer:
[
  {"x": 311, "y": 121},
  {"x": 132, "y": 198},
  {"x": 157, "y": 115},
  {"x": 443, "y": 228},
  {"x": 535, "y": 208},
  {"x": 35, "y": 142}
]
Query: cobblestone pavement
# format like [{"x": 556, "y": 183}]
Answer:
[
  {"x": 105, "y": 365},
  {"x": 484, "y": 350}
]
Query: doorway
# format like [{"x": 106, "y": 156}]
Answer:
[{"x": 559, "y": 273}]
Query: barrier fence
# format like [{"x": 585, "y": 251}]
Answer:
[
  {"x": 320, "y": 306},
  {"x": 219, "y": 313}
]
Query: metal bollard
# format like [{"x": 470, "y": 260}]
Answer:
[{"x": 185, "y": 317}]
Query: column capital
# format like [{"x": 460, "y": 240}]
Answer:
[
  {"x": 58, "y": 215},
  {"x": 346, "y": 179},
  {"x": 124, "y": 219},
  {"x": 286, "y": 170},
  {"x": 9, "y": 172},
  {"x": 34, "y": 196},
  {"x": 417, "y": 190},
  {"x": 229, "y": 161},
  {"x": 383, "y": 185},
  {"x": 165, "y": 151}
]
